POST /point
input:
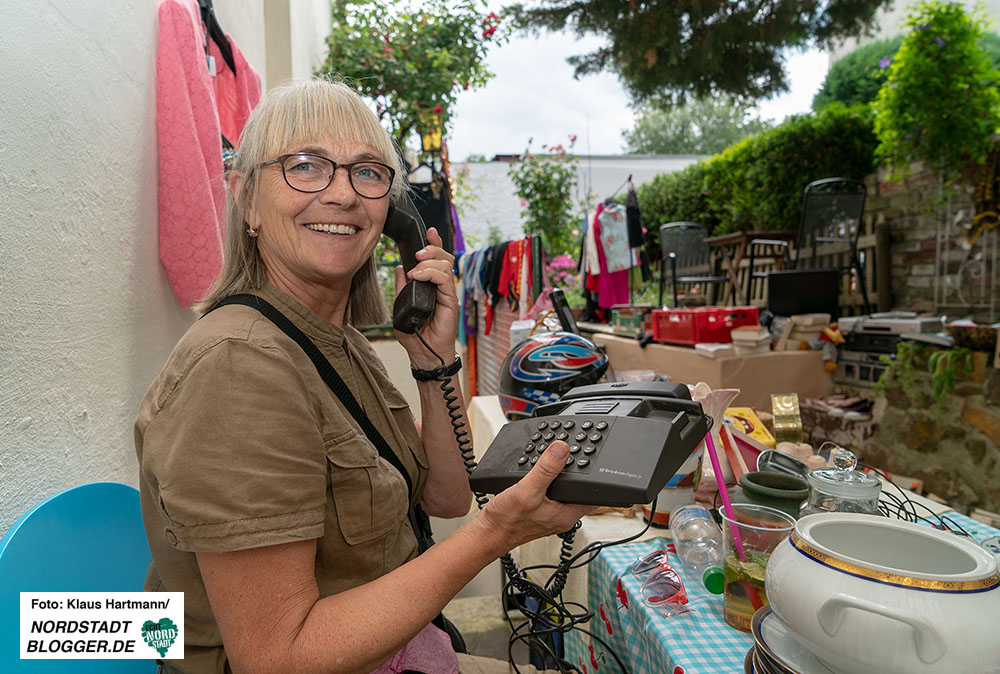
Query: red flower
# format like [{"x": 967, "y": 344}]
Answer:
[
  {"x": 489, "y": 31},
  {"x": 438, "y": 109}
]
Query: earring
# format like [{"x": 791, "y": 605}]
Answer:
[{"x": 252, "y": 232}]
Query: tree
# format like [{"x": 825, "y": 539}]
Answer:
[
  {"x": 858, "y": 76},
  {"x": 940, "y": 103},
  {"x": 411, "y": 62},
  {"x": 701, "y": 126},
  {"x": 672, "y": 49},
  {"x": 545, "y": 183}
]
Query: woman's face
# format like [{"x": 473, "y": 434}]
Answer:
[{"x": 299, "y": 254}]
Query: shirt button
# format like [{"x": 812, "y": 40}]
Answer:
[{"x": 171, "y": 537}]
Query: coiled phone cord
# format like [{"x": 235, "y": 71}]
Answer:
[{"x": 553, "y": 615}]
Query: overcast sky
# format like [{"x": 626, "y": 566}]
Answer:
[{"x": 534, "y": 95}]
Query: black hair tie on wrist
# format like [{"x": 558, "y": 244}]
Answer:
[{"x": 438, "y": 372}]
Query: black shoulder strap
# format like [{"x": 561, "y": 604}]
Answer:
[{"x": 329, "y": 375}]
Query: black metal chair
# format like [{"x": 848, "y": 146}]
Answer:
[
  {"x": 832, "y": 210},
  {"x": 684, "y": 245}
]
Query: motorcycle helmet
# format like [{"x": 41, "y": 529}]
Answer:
[{"x": 543, "y": 367}]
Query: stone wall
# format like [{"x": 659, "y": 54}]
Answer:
[
  {"x": 952, "y": 445},
  {"x": 913, "y": 209}
]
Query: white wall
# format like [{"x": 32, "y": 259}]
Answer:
[{"x": 88, "y": 317}]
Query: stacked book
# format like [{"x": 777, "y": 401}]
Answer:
[
  {"x": 750, "y": 339},
  {"x": 798, "y": 331}
]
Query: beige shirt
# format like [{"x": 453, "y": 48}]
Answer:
[{"x": 241, "y": 444}]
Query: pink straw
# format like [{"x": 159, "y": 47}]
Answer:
[{"x": 721, "y": 482}]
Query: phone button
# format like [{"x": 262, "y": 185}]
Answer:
[
  {"x": 587, "y": 425},
  {"x": 569, "y": 460},
  {"x": 573, "y": 449},
  {"x": 555, "y": 424},
  {"x": 601, "y": 425},
  {"x": 521, "y": 460},
  {"x": 589, "y": 449},
  {"x": 529, "y": 448},
  {"x": 583, "y": 463},
  {"x": 542, "y": 425},
  {"x": 580, "y": 437},
  {"x": 536, "y": 436},
  {"x": 562, "y": 435},
  {"x": 534, "y": 460},
  {"x": 568, "y": 424},
  {"x": 595, "y": 437},
  {"x": 549, "y": 436}
]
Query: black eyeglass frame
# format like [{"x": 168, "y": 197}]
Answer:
[{"x": 281, "y": 159}]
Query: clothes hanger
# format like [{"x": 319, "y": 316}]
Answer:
[
  {"x": 216, "y": 33},
  {"x": 610, "y": 200}
]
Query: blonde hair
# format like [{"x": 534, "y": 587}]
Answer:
[{"x": 297, "y": 112}]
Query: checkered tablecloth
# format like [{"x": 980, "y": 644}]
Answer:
[{"x": 693, "y": 643}]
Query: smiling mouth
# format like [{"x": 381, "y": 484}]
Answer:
[{"x": 333, "y": 229}]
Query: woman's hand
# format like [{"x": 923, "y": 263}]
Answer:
[
  {"x": 436, "y": 265},
  {"x": 523, "y": 512}
]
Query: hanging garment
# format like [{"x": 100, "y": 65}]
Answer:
[
  {"x": 190, "y": 190},
  {"x": 614, "y": 238},
  {"x": 612, "y": 286}
]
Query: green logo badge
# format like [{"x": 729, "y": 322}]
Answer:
[{"x": 159, "y": 635}]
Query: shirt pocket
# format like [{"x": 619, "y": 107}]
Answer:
[
  {"x": 402, "y": 416},
  {"x": 369, "y": 495}
]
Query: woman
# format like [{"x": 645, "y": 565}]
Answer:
[{"x": 263, "y": 500}]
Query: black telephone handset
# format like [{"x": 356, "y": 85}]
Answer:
[
  {"x": 627, "y": 439},
  {"x": 415, "y": 302}
]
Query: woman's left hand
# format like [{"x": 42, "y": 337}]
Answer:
[{"x": 436, "y": 265}]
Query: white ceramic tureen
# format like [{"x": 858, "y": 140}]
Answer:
[{"x": 869, "y": 594}]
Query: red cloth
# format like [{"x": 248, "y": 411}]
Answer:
[{"x": 191, "y": 192}]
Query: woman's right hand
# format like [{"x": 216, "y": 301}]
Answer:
[{"x": 523, "y": 512}]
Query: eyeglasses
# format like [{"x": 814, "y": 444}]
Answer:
[{"x": 306, "y": 172}]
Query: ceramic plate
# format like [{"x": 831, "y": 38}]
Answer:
[
  {"x": 779, "y": 648},
  {"x": 748, "y": 662}
]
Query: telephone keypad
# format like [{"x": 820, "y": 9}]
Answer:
[{"x": 587, "y": 441}]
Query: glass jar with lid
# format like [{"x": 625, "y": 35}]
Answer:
[{"x": 842, "y": 488}]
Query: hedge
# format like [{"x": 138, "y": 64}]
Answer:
[{"x": 756, "y": 184}]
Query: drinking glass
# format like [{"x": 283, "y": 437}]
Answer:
[{"x": 749, "y": 537}]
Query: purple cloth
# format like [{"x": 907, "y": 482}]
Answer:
[
  {"x": 429, "y": 652},
  {"x": 459, "y": 239}
]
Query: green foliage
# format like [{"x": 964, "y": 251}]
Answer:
[
  {"x": 903, "y": 369},
  {"x": 672, "y": 49},
  {"x": 944, "y": 365},
  {"x": 672, "y": 197},
  {"x": 857, "y": 77},
  {"x": 940, "y": 103},
  {"x": 701, "y": 126},
  {"x": 411, "y": 61},
  {"x": 546, "y": 183},
  {"x": 756, "y": 184}
]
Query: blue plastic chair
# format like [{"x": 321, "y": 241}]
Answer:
[{"x": 88, "y": 538}]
